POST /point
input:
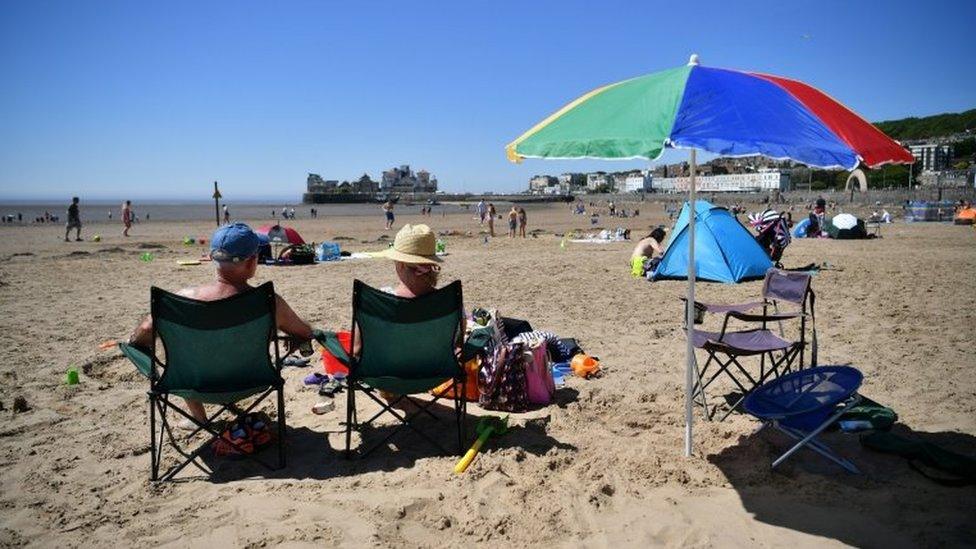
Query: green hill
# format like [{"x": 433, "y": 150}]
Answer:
[{"x": 929, "y": 126}]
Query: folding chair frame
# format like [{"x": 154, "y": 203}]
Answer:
[
  {"x": 160, "y": 404},
  {"x": 810, "y": 439},
  {"x": 406, "y": 420},
  {"x": 785, "y": 360}
]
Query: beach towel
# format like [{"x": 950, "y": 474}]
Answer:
[{"x": 933, "y": 462}]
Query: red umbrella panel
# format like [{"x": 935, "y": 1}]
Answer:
[{"x": 281, "y": 235}]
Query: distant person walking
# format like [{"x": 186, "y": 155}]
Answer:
[
  {"x": 226, "y": 215},
  {"x": 523, "y": 221},
  {"x": 388, "y": 212},
  {"x": 482, "y": 211},
  {"x": 126, "y": 217},
  {"x": 512, "y": 221},
  {"x": 613, "y": 208},
  {"x": 491, "y": 218},
  {"x": 74, "y": 220}
]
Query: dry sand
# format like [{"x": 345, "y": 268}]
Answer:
[{"x": 602, "y": 467}]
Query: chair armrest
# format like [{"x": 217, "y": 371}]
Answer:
[
  {"x": 330, "y": 341},
  {"x": 719, "y": 308},
  {"x": 140, "y": 358},
  {"x": 772, "y": 317}
]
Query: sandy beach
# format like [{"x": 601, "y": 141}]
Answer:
[{"x": 602, "y": 467}]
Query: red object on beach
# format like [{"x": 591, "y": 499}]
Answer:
[
  {"x": 331, "y": 363},
  {"x": 278, "y": 234}
]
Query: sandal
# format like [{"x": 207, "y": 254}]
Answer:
[
  {"x": 233, "y": 442},
  {"x": 315, "y": 379},
  {"x": 257, "y": 429},
  {"x": 330, "y": 388}
]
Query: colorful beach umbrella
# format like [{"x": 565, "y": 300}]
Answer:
[
  {"x": 721, "y": 111},
  {"x": 725, "y": 112}
]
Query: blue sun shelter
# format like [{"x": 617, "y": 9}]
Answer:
[{"x": 725, "y": 251}]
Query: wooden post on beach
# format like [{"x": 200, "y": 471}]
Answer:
[{"x": 216, "y": 197}]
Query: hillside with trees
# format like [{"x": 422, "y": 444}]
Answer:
[{"x": 929, "y": 126}]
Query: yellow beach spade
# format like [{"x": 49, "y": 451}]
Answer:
[{"x": 487, "y": 426}]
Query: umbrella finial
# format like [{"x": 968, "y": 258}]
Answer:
[{"x": 693, "y": 60}]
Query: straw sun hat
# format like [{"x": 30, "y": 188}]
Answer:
[{"x": 413, "y": 244}]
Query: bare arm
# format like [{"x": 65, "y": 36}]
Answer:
[
  {"x": 289, "y": 322},
  {"x": 142, "y": 336}
]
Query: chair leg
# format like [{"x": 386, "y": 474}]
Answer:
[
  {"x": 281, "y": 427},
  {"x": 350, "y": 416},
  {"x": 808, "y": 439},
  {"x": 153, "y": 459}
]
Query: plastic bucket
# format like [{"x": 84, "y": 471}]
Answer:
[{"x": 332, "y": 364}]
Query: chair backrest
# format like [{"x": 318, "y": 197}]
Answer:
[
  {"x": 407, "y": 338},
  {"x": 216, "y": 346},
  {"x": 789, "y": 286}
]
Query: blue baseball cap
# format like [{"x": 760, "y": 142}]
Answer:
[{"x": 235, "y": 242}]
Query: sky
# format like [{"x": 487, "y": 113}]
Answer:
[{"x": 158, "y": 99}]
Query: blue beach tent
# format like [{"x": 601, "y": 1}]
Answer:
[{"x": 725, "y": 251}]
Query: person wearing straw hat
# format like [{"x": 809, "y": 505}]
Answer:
[
  {"x": 415, "y": 259},
  {"x": 414, "y": 255}
]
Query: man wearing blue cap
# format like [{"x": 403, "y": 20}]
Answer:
[{"x": 234, "y": 249}]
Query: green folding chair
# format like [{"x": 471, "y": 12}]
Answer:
[
  {"x": 407, "y": 348},
  {"x": 215, "y": 352}
]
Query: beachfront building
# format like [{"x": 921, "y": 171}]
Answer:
[
  {"x": 366, "y": 185},
  {"x": 934, "y": 157},
  {"x": 637, "y": 182},
  {"x": 404, "y": 180},
  {"x": 539, "y": 182},
  {"x": 762, "y": 180},
  {"x": 599, "y": 180},
  {"x": 572, "y": 181},
  {"x": 316, "y": 184}
]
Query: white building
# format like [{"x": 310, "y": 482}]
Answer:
[
  {"x": 599, "y": 179},
  {"x": 934, "y": 157},
  {"x": 539, "y": 182},
  {"x": 638, "y": 182},
  {"x": 763, "y": 180}
]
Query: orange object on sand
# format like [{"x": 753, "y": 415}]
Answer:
[
  {"x": 471, "y": 394},
  {"x": 584, "y": 365},
  {"x": 966, "y": 217},
  {"x": 332, "y": 364},
  {"x": 106, "y": 345}
]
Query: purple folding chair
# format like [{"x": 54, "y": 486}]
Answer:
[{"x": 776, "y": 353}]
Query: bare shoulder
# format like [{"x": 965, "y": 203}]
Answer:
[{"x": 188, "y": 292}]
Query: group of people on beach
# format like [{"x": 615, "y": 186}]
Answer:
[
  {"x": 128, "y": 217},
  {"x": 517, "y": 219},
  {"x": 234, "y": 251}
]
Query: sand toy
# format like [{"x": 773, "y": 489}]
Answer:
[{"x": 487, "y": 426}]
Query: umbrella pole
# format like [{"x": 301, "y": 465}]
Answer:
[{"x": 690, "y": 306}]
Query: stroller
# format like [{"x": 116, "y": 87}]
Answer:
[{"x": 773, "y": 233}]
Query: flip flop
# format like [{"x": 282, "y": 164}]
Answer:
[
  {"x": 295, "y": 361},
  {"x": 330, "y": 388},
  {"x": 257, "y": 429},
  {"x": 233, "y": 442},
  {"x": 315, "y": 379}
]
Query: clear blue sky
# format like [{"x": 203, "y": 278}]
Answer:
[{"x": 156, "y": 99}]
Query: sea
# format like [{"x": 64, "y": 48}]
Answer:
[{"x": 98, "y": 211}]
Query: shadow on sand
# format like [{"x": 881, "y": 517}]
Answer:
[
  {"x": 889, "y": 505},
  {"x": 319, "y": 455}
]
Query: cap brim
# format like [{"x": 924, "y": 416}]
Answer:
[{"x": 391, "y": 253}]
